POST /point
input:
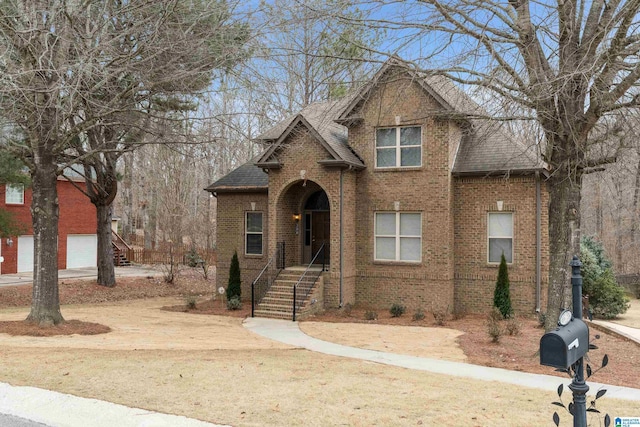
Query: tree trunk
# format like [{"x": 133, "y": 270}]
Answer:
[
  {"x": 106, "y": 269},
  {"x": 127, "y": 197},
  {"x": 45, "y": 303},
  {"x": 564, "y": 241}
]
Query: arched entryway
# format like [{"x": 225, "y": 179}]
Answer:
[{"x": 316, "y": 236}]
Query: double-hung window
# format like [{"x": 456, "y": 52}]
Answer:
[
  {"x": 253, "y": 233},
  {"x": 399, "y": 147},
  {"x": 14, "y": 194},
  {"x": 398, "y": 236},
  {"x": 500, "y": 236}
]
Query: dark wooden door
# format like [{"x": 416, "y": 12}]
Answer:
[{"x": 320, "y": 234}]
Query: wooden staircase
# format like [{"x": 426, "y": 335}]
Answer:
[
  {"x": 120, "y": 249},
  {"x": 278, "y": 302}
]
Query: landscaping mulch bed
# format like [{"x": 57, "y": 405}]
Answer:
[{"x": 517, "y": 352}]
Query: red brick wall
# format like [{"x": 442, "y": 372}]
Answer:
[{"x": 77, "y": 216}]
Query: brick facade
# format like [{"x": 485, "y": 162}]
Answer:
[
  {"x": 232, "y": 208},
  {"x": 474, "y": 277},
  {"x": 77, "y": 216},
  {"x": 453, "y": 272}
]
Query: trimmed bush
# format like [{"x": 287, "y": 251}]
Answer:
[
  {"x": 234, "y": 303},
  {"x": 397, "y": 310},
  {"x": 501, "y": 296},
  {"x": 418, "y": 315},
  {"x": 233, "y": 288}
]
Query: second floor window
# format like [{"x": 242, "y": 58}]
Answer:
[
  {"x": 399, "y": 147},
  {"x": 14, "y": 194}
]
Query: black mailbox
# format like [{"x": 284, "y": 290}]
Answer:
[{"x": 564, "y": 346}]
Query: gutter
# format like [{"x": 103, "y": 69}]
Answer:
[
  {"x": 538, "y": 240},
  {"x": 341, "y": 235}
]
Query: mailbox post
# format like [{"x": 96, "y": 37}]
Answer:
[{"x": 567, "y": 345}]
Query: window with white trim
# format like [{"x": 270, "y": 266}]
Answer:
[
  {"x": 398, "y": 236},
  {"x": 500, "y": 236},
  {"x": 399, "y": 147},
  {"x": 253, "y": 233},
  {"x": 14, "y": 194}
]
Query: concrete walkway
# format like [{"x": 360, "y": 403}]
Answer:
[
  {"x": 64, "y": 410},
  {"x": 288, "y": 332},
  {"x": 77, "y": 273},
  {"x": 627, "y": 332}
]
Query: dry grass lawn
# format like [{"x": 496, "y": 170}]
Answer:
[
  {"x": 211, "y": 368},
  {"x": 632, "y": 317}
]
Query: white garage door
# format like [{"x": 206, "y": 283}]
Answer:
[
  {"x": 82, "y": 250},
  {"x": 25, "y": 254}
]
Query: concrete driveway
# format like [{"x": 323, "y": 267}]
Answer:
[{"x": 79, "y": 273}]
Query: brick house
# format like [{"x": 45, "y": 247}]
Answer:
[
  {"x": 414, "y": 198},
  {"x": 77, "y": 240}
]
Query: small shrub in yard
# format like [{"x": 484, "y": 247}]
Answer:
[
  {"x": 440, "y": 316},
  {"x": 192, "y": 258},
  {"x": 542, "y": 318},
  {"x": 234, "y": 303},
  {"x": 418, "y": 315},
  {"x": 513, "y": 326},
  {"x": 370, "y": 315},
  {"x": 190, "y": 302},
  {"x": 397, "y": 310},
  {"x": 494, "y": 328}
]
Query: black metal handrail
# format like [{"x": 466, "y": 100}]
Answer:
[
  {"x": 312, "y": 282},
  {"x": 262, "y": 283}
]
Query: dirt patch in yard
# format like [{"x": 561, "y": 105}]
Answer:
[{"x": 189, "y": 283}]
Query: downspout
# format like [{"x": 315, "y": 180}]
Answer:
[
  {"x": 538, "y": 239},
  {"x": 341, "y": 237}
]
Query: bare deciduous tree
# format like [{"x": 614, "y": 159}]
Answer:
[{"x": 71, "y": 68}]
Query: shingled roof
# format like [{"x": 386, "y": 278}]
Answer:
[
  {"x": 246, "y": 178},
  {"x": 486, "y": 148},
  {"x": 319, "y": 118}
]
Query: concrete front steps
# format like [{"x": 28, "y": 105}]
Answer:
[{"x": 278, "y": 302}]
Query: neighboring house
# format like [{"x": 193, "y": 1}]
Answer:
[
  {"x": 414, "y": 199},
  {"x": 77, "y": 240}
]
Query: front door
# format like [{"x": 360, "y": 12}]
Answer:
[{"x": 320, "y": 235}]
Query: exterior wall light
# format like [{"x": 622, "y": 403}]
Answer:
[
  {"x": 296, "y": 217},
  {"x": 9, "y": 241}
]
